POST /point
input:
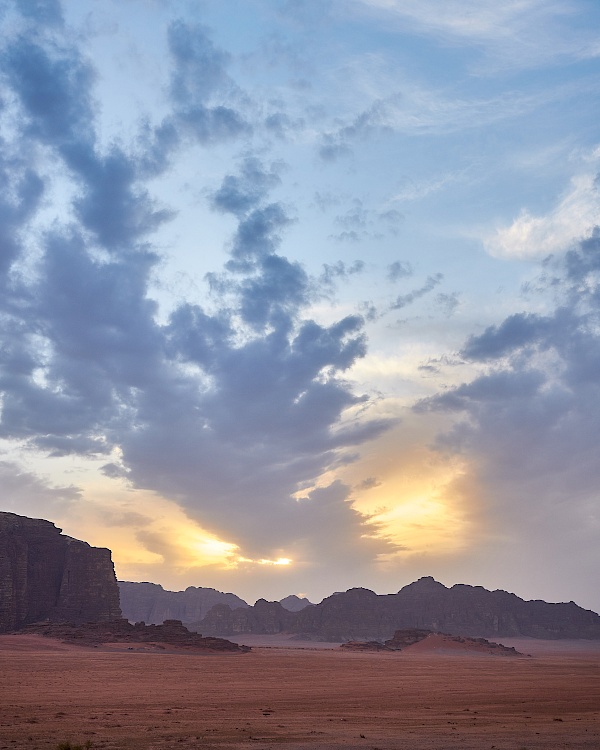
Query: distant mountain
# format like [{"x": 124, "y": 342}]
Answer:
[
  {"x": 360, "y": 614},
  {"x": 264, "y": 617},
  {"x": 295, "y": 603},
  {"x": 150, "y": 603}
]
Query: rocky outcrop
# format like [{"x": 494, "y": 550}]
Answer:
[
  {"x": 295, "y": 603},
  {"x": 360, "y": 614},
  {"x": 405, "y": 638},
  {"x": 170, "y": 633},
  {"x": 150, "y": 603},
  {"x": 427, "y": 641},
  {"x": 264, "y": 617},
  {"x": 46, "y": 575}
]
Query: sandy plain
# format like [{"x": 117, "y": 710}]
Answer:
[{"x": 300, "y": 698}]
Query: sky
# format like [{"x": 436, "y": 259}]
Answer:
[{"x": 302, "y": 295}]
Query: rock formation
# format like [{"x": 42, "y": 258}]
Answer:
[
  {"x": 405, "y": 638},
  {"x": 150, "y": 603},
  {"x": 264, "y": 617},
  {"x": 415, "y": 639},
  {"x": 45, "y": 575},
  {"x": 360, "y": 614},
  {"x": 295, "y": 603},
  {"x": 170, "y": 633}
]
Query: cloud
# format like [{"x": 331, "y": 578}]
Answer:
[
  {"x": 340, "y": 270},
  {"x": 46, "y": 12},
  {"x": 199, "y": 75},
  {"x": 239, "y": 193},
  {"x": 414, "y": 109},
  {"x": 572, "y": 219},
  {"x": 21, "y": 488},
  {"x": 231, "y": 407},
  {"x": 449, "y": 303},
  {"x": 403, "y": 300},
  {"x": 515, "y": 332},
  {"x": 360, "y": 223},
  {"x": 530, "y": 421},
  {"x": 513, "y": 34},
  {"x": 399, "y": 270}
]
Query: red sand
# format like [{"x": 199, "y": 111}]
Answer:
[
  {"x": 438, "y": 643},
  {"x": 301, "y": 699}
]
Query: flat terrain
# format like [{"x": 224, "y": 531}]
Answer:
[{"x": 51, "y": 693}]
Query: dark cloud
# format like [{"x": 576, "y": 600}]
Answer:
[
  {"x": 239, "y": 193},
  {"x": 114, "y": 206},
  {"x": 200, "y": 75},
  {"x": 517, "y": 331},
  {"x": 43, "y": 12},
  {"x": 54, "y": 86},
  {"x": 339, "y": 143},
  {"x": 530, "y": 425},
  {"x": 403, "y": 300},
  {"x": 22, "y": 190},
  {"x": 230, "y": 407},
  {"x": 258, "y": 235},
  {"x": 113, "y": 471},
  {"x": 399, "y": 270},
  {"x": 280, "y": 124},
  {"x": 340, "y": 271},
  {"x": 369, "y": 483}
]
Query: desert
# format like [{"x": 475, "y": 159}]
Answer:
[{"x": 299, "y": 696}]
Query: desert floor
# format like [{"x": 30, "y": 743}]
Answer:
[{"x": 297, "y": 698}]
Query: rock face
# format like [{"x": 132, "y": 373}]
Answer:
[
  {"x": 150, "y": 603},
  {"x": 264, "y": 617},
  {"x": 405, "y": 638},
  {"x": 295, "y": 603},
  {"x": 360, "y": 614},
  {"x": 46, "y": 575}
]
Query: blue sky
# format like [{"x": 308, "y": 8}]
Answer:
[{"x": 298, "y": 296}]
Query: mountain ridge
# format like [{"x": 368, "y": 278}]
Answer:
[{"x": 361, "y": 614}]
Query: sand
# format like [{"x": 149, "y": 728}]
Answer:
[{"x": 298, "y": 698}]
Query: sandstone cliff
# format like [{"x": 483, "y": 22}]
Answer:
[
  {"x": 264, "y": 617},
  {"x": 46, "y": 575},
  {"x": 150, "y": 603},
  {"x": 360, "y": 614}
]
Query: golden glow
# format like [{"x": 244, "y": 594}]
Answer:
[
  {"x": 264, "y": 561},
  {"x": 209, "y": 548},
  {"x": 149, "y": 535},
  {"x": 144, "y": 529},
  {"x": 416, "y": 497}
]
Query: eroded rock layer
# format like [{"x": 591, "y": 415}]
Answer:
[
  {"x": 170, "y": 633},
  {"x": 45, "y": 575}
]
